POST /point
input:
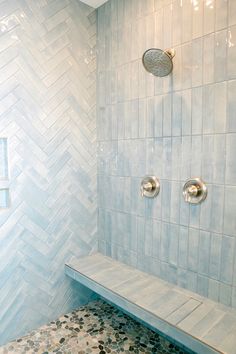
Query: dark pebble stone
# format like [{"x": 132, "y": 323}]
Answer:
[{"x": 62, "y": 340}]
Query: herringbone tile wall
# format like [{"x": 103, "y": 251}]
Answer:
[{"x": 48, "y": 114}]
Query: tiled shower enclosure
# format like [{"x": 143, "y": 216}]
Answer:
[
  {"x": 176, "y": 127},
  {"x": 82, "y": 122}
]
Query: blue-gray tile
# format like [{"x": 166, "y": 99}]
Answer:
[
  {"x": 229, "y": 211},
  {"x": 230, "y": 159}
]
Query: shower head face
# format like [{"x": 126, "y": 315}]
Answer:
[{"x": 158, "y": 62}]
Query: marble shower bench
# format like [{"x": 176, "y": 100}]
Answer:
[{"x": 199, "y": 324}]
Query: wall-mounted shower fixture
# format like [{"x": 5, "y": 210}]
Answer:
[
  {"x": 150, "y": 187},
  {"x": 158, "y": 62},
  {"x": 194, "y": 191}
]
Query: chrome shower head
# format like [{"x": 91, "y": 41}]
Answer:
[{"x": 158, "y": 62}]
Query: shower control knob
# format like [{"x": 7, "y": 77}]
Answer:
[
  {"x": 194, "y": 191},
  {"x": 150, "y": 187}
]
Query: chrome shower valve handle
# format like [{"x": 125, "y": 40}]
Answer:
[
  {"x": 194, "y": 191},
  {"x": 150, "y": 187},
  {"x": 146, "y": 187}
]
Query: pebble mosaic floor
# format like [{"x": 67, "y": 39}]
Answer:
[{"x": 96, "y": 328}]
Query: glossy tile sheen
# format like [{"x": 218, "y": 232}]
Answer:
[
  {"x": 95, "y": 328},
  {"x": 193, "y": 320},
  {"x": 47, "y": 116},
  {"x": 176, "y": 127}
]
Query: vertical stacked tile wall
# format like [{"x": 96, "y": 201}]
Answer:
[{"x": 176, "y": 127}]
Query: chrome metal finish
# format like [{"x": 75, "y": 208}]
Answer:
[
  {"x": 194, "y": 191},
  {"x": 150, "y": 187},
  {"x": 158, "y": 62}
]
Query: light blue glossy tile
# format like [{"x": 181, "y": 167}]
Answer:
[
  {"x": 221, "y": 14},
  {"x": 167, "y": 18},
  {"x": 225, "y": 295},
  {"x": 114, "y": 122},
  {"x": 142, "y": 118},
  {"x": 183, "y": 247},
  {"x": 219, "y": 158},
  {"x": 230, "y": 159},
  {"x": 208, "y": 109},
  {"x": 220, "y": 55},
  {"x": 232, "y": 12},
  {"x": 137, "y": 156},
  {"x": 186, "y": 21},
  {"x": 131, "y": 119},
  {"x": 3, "y": 158},
  {"x": 137, "y": 202},
  {"x": 208, "y": 62},
  {"x": 175, "y": 202},
  {"x": 148, "y": 237},
  {"x": 204, "y": 253},
  {"x": 176, "y": 19},
  {"x": 155, "y": 157},
  {"x": 217, "y": 209},
  {"x": 182, "y": 278},
  {"x": 194, "y": 215},
  {"x": 120, "y": 121},
  {"x": 229, "y": 215},
  {"x": 206, "y": 210},
  {"x": 5, "y": 198},
  {"x": 215, "y": 256},
  {"x": 176, "y": 79},
  {"x": 155, "y": 267},
  {"x": 167, "y": 158},
  {"x": 167, "y": 114},
  {"x": 186, "y": 112},
  {"x": 197, "y": 99},
  {"x": 156, "y": 239},
  {"x": 176, "y": 115},
  {"x": 153, "y": 207},
  {"x": 166, "y": 200},
  {"x": 196, "y": 153},
  {"x": 173, "y": 244},
  {"x": 213, "y": 290},
  {"x": 154, "y": 117},
  {"x": 197, "y": 67},
  {"x": 107, "y": 157},
  {"x": 186, "y": 65},
  {"x": 176, "y": 158},
  {"x": 202, "y": 285},
  {"x": 227, "y": 259},
  {"x": 192, "y": 281},
  {"x": 234, "y": 267},
  {"x": 184, "y": 210},
  {"x": 193, "y": 246},
  {"x": 207, "y": 158},
  {"x": 140, "y": 234},
  {"x": 186, "y": 158},
  {"x": 231, "y": 124},
  {"x": 231, "y": 52},
  {"x": 220, "y": 121},
  {"x": 133, "y": 236},
  {"x": 209, "y": 18},
  {"x": 165, "y": 242},
  {"x": 234, "y": 297}
]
